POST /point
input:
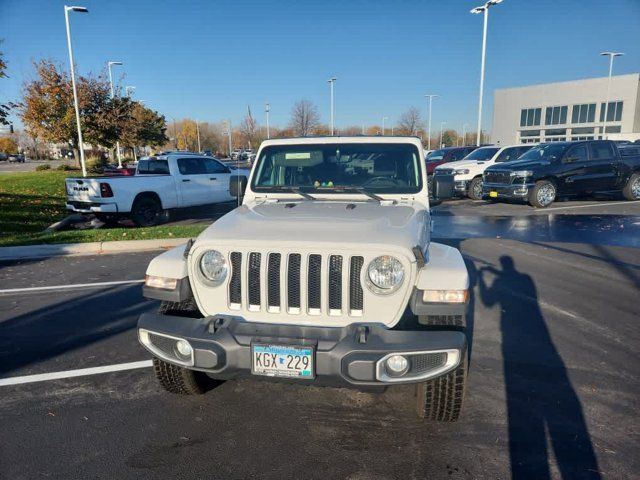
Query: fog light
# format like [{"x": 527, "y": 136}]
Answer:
[
  {"x": 397, "y": 365},
  {"x": 184, "y": 348}
]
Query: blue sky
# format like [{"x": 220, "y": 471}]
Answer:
[{"x": 210, "y": 59}]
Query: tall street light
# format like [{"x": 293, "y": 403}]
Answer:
[
  {"x": 611, "y": 56},
  {"x": 442, "y": 124},
  {"x": 331, "y": 81},
  {"x": 267, "y": 109},
  {"x": 430, "y": 97},
  {"x": 383, "y": 120},
  {"x": 68, "y": 9},
  {"x": 484, "y": 9},
  {"x": 109, "y": 65}
]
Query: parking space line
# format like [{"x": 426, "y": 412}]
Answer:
[
  {"x": 586, "y": 206},
  {"x": 69, "y": 287},
  {"x": 42, "y": 377}
]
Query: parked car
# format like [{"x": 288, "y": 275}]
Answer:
[
  {"x": 3, "y": 156},
  {"x": 447, "y": 154},
  {"x": 467, "y": 173},
  {"x": 563, "y": 169},
  {"x": 325, "y": 275},
  {"x": 236, "y": 154},
  {"x": 16, "y": 158},
  {"x": 246, "y": 153},
  {"x": 160, "y": 184}
]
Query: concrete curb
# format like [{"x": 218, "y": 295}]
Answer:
[{"x": 91, "y": 248}]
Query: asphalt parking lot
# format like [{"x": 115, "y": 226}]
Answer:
[{"x": 553, "y": 383}]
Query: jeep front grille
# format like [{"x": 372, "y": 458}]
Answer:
[{"x": 291, "y": 282}]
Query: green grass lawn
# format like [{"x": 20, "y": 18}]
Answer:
[{"x": 31, "y": 201}]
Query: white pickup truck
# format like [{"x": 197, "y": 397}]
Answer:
[
  {"x": 468, "y": 172},
  {"x": 161, "y": 183}
]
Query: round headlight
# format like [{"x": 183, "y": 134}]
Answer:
[
  {"x": 385, "y": 274},
  {"x": 213, "y": 266}
]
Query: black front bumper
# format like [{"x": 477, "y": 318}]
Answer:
[
  {"x": 512, "y": 191},
  {"x": 343, "y": 356}
]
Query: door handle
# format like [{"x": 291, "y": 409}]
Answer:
[
  {"x": 212, "y": 178},
  {"x": 186, "y": 180}
]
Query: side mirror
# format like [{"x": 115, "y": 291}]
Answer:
[
  {"x": 442, "y": 186},
  {"x": 237, "y": 185}
]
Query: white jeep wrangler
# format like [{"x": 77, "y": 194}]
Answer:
[{"x": 324, "y": 275}]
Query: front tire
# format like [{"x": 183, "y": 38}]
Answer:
[
  {"x": 441, "y": 398},
  {"x": 176, "y": 379},
  {"x": 543, "y": 194},
  {"x": 475, "y": 189},
  {"x": 631, "y": 190}
]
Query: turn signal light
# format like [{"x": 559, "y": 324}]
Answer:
[
  {"x": 445, "y": 296},
  {"x": 160, "y": 282}
]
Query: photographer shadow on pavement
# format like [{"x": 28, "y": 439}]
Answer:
[{"x": 542, "y": 406}]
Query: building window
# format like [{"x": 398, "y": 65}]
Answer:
[
  {"x": 530, "y": 117},
  {"x": 530, "y": 133},
  {"x": 556, "y": 115},
  {"x": 614, "y": 112},
  {"x": 555, "y": 134},
  {"x": 585, "y": 113},
  {"x": 613, "y": 129}
]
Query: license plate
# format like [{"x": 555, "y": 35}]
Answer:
[
  {"x": 493, "y": 194},
  {"x": 282, "y": 361}
]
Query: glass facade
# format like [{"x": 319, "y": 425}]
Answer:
[
  {"x": 556, "y": 115},
  {"x": 614, "y": 112},
  {"x": 585, "y": 113},
  {"x": 530, "y": 117}
]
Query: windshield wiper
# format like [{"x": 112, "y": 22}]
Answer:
[
  {"x": 297, "y": 190},
  {"x": 361, "y": 190}
]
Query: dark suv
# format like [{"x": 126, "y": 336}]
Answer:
[{"x": 565, "y": 168}]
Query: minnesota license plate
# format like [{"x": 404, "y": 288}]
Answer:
[
  {"x": 493, "y": 194},
  {"x": 282, "y": 361}
]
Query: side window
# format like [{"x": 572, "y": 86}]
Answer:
[
  {"x": 153, "y": 167},
  {"x": 601, "y": 150},
  {"x": 579, "y": 152},
  {"x": 213, "y": 166},
  {"x": 191, "y": 166},
  {"x": 143, "y": 166},
  {"x": 508, "y": 154}
]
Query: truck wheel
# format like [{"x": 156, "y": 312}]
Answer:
[
  {"x": 177, "y": 379},
  {"x": 631, "y": 190},
  {"x": 146, "y": 212},
  {"x": 475, "y": 189},
  {"x": 543, "y": 194},
  {"x": 180, "y": 380},
  {"x": 441, "y": 398}
]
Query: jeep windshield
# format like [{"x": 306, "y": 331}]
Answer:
[
  {"x": 379, "y": 168},
  {"x": 547, "y": 152}
]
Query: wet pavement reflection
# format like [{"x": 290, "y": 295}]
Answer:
[{"x": 617, "y": 230}]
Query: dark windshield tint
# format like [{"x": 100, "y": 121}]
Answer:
[
  {"x": 549, "y": 152},
  {"x": 482, "y": 153},
  {"x": 383, "y": 168}
]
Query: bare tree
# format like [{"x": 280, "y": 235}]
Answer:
[
  {"x": 304, "y": 118},
  {"x": 409, "y": 122}
]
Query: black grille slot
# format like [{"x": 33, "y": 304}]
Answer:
[
  {"x": 314, "y": 282},
  {"x": 335, "y": 282},
  {"x": 355, "y": 288},
  {"x": 273, "y": 280},
  {"x": 235, "y": 284},
  {"x": 427, "y": 361},
  {"x": 254, "y": 278},
  {"x": 497, "y": 177},
  {"x": 293, "y": 281}
]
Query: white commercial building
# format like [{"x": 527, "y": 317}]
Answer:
[{"x": 567, "y": 111}]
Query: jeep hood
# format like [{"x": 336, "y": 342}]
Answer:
[{"x": 308, "y": 223}]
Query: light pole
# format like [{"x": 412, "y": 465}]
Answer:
[
  {"x": 73, "y": 83},
  {"x": 611, "y": 56},
  {"x": 228, "y": 122},
  {"x": 331, "y": 81},
  {"x": 442, "y": 124},
  {"x": 109, "y": 65},
  {"x": 484, "y": 9},
  {"x": 266, "y": 111},
  {"x": 198, "y": 134},
  {"x": 383, "y": 120},
  {"x": 430, "y": 97}
]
